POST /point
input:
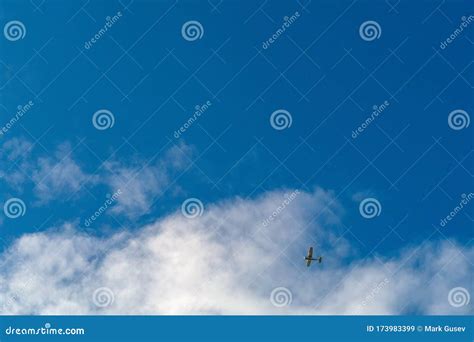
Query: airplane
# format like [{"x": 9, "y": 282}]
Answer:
[{"x": 310, "y": 258}]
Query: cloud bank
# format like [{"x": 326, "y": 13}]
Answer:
[{"x": 227, "y": 262}]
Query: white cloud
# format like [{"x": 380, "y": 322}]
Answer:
[
  {"x": 15, "y": 148},
  {"x": 226, "y": 262},
  {"x": 141, "y": 182},
  {"x": 59, "y": 175},
  {"x": 14, "y": 153}
]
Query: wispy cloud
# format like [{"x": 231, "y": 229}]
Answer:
[
  {"x": 14, "y": 157},
  {"x": 51, "y": 176},
  {"x": 225, "y": 262},
  {"x": 59, "y": 175},
  {"x": 141, "y": 182}
]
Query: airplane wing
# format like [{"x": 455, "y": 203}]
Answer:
[
  {"x": 308, "y": 262},
  {"x": 310, "y": 253}
]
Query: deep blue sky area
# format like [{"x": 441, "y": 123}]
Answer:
[{"x": 319, "y": 69}]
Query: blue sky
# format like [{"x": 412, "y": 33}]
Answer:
[{"x": 320, "y": 70}]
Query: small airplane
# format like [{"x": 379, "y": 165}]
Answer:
[{"x": 310, "y": 258}]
